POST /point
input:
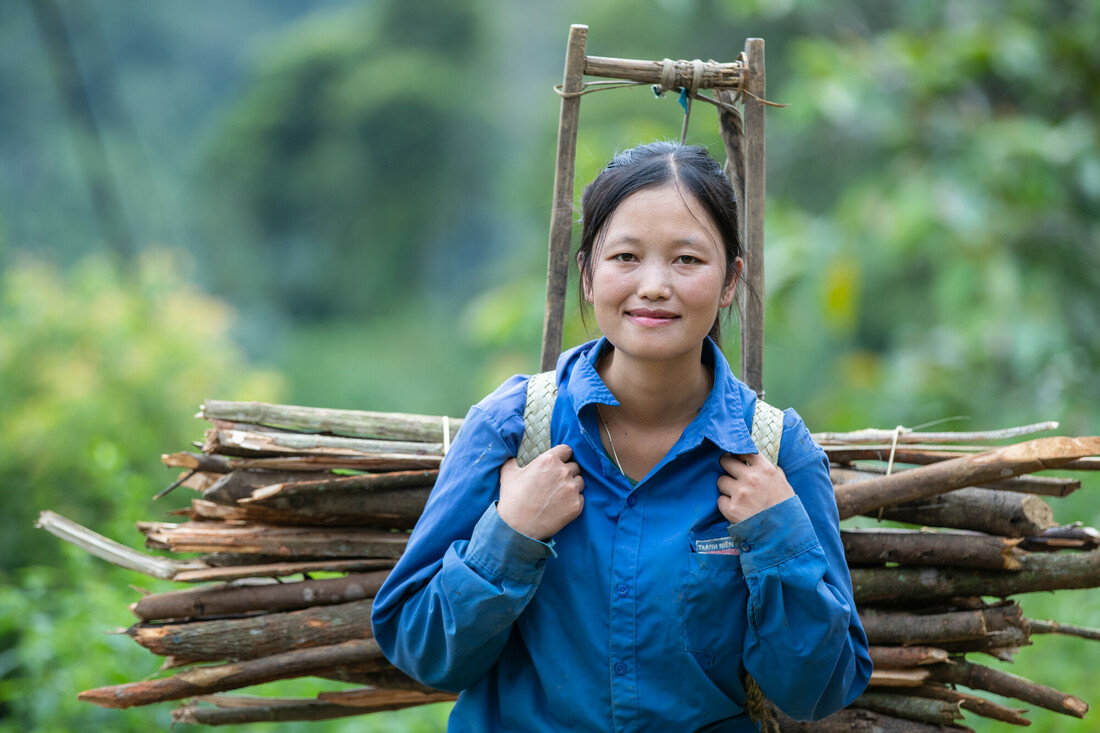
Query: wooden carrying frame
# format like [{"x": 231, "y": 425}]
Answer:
[{"x": 742, "y": 81}]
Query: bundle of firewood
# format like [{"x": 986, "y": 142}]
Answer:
[{"x": 327, "y": 496}]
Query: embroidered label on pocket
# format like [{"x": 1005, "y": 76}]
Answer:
[{"x": 716, "y": 546}]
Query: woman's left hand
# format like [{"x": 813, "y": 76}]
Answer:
[{"x": 752, "y": 484}]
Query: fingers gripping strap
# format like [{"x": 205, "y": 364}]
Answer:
[
  {"x": 767, "y": 430},
  {"x": 542, "y": 390}
]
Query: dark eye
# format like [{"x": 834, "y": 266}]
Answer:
[
  {"x": 624, "y": 257},
  {"x": 687, "y": 260}
]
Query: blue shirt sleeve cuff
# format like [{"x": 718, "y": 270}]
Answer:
[
  {"x": 774, "y": 535},
  {"x": 501, "y": 551}
]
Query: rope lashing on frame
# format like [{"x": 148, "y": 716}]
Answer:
[{"x": 672, "y": 76}]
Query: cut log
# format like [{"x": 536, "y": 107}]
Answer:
[
  {"x": 1040, "y": 485},
  {"x": 999, "y": 463},
  {"x": 1038, "y": 572},
  {"x": 1068, "y": 537},
  {"x": 234, "y": 599},
  {"x": 258, "y": 710},
  {"x": 977, "y": 677},
  {"x": 248, "y": 443},
  {"x": 375, "y": 699},
  {"x": 111, "y": 551},
  {"x": 902, "y": 657},
  {"x": 272, "y": 540},
  {"x": 1053, "y": 627},
  {"x": 853, "y": 720},
  {"x": 898, "y": 677},
  {"x": 279, "y": 570},
  {"x": 897, "y": 627},
  {"x": 220, "y": 678},
  {"x": 1001, "y": 513},
  {"x": 364, "y": 484},
  {"x": 348, "y": 423},
  {"x": 937, "y": 548},
  {"x": 921, "y": 709},
  {"x": 398, "y": 508},
  {"x": 240, "y": 483},
  {"x": 325, "y": 511},
  {"x": 905, "y": 435},
  {"x": 261, "y": 635},
  {"x": 973, "y": 703}
]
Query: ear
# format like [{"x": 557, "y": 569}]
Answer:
[
  {"x": 586, "y": 287},
  {"x": 730, "y": 288}
]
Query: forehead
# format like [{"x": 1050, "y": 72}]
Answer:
[{"x": 666, "y": 210}]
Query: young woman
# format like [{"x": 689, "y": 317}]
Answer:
[{"x": 629, "y": 577}]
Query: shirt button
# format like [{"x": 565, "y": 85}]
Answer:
[
  {"x": 623, "y": 590},
  {"x": 745, "y": 546},
  {"x": 620, "y": 668},
  {"x": 631, "y": 500}
]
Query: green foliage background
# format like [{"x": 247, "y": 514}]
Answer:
[{"x": 345, "y": 204}]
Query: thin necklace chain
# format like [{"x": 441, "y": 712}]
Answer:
[{"x": 610, "y": 442}]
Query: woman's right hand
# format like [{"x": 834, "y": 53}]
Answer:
[{"x": 543, "y": 496}]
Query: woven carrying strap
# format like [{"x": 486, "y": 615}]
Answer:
[
  {"x": 542, "y": 390},
  {"x": 767, "y": 430}
]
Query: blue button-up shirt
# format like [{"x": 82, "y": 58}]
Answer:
[{"x": 642, "y": 613}]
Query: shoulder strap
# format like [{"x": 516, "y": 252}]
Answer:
[
  {"x": 542, "y": 391},
  {"x": 767, "y": 430}
]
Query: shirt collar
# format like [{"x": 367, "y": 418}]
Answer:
[{"x": 721, "y": 419}]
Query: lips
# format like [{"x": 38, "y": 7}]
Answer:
[{"x": 649, "y": 317}]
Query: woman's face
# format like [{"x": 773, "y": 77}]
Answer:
[{"x": 658, "y": 275}]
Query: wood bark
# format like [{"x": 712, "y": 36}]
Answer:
[
  {"x": 898, "y": 627},
  {"x": 982, "y": 510},
  {"x": 956, "y": 473},
  {"x": 973, "y": 703},
  {"x": 854, "y": 720},
  {"x": 248, "y": 443},
  {"x": 232, "y": 676},
  {"x": 279, "y": 570},
  {"x": 347, "y": 423},
  {"x": 111, "y": 551},
  {"x": 262, "y": 710},
  {"x": 561, "y": 215},
  {"x": 936, "y": 548},
  {"x": 273, "y": 540},
  {"x": 373, "y": 698},
  {"x": 364, "y": 483},
  {"x": 1068, "y": 537},
  {"x": 255, "y": 636},
  {"x": 893, "y": 678},
  {"x": 1041, "y": 485},
  {"x": 1038, "y": 572},
  {"x": 1039, "y": 626},
  {"x": 239, "y": 484},
  {"x": 235, "y": 599},
  {"x": 750, "y": 301},
  {"x": 900, "y": 657},
  {"x": 924, "y": 710},
  {"x": 397, "y": 508},
  {"x": 977, "y": 677},
  {"x": 904, "y": 435},
  {"x": 715, "y": 75}
]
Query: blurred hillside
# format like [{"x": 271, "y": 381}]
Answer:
[{"x": 346, "y": 204}]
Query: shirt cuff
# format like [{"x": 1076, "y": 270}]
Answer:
[
  {"x": 774, "y": 535},
  {"x": 501, "y": 551}
]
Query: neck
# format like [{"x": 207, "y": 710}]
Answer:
[{"x": 657, "y": 393}]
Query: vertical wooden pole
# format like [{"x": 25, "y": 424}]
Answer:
[
  {"x": 751, "y": 302},
  {"x": 561, "y": 219}
]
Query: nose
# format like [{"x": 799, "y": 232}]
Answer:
[{"x": 654, "y": 282}]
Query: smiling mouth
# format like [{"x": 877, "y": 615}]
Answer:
[{"x": 651, "y": 318}]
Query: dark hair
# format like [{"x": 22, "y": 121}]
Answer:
[{"x": 690, "y": 168}]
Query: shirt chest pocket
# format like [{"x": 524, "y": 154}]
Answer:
[{"x": 715, "y": 595}]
